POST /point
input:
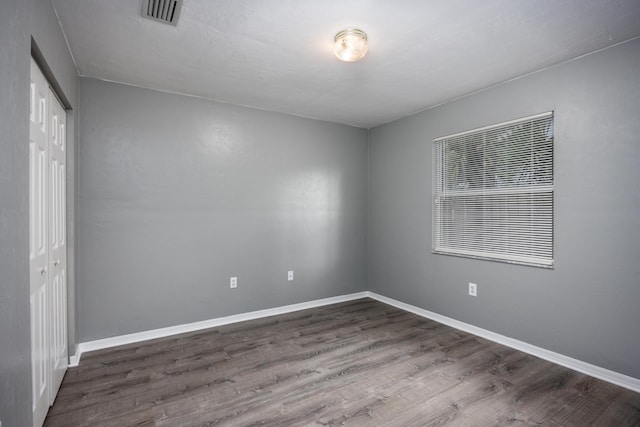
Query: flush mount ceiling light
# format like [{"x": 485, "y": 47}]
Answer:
[{"x": 350, "y": 45}]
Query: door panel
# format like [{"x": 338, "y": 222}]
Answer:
[
  {"x": 38, "y": 229},
  {"x": 39, "y": 351},
  {"x": 47, "y": 244},
  {"x": 57, "y": 244}
]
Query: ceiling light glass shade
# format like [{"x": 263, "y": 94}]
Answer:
[{"x": 350, "y": 45}]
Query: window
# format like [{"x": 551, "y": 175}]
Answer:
[{"x": 493, "y": 192}]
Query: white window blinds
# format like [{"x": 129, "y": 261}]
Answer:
[{"x": 493, "y": 192}]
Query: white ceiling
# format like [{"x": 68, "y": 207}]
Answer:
[{"x": 277, "y": 54}]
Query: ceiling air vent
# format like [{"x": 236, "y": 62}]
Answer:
[{"x": 167, "y": 11}]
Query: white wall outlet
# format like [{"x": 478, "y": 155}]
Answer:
[
  {"x": 233, "y": 283},
  {"x": 473, "y": 289},
  {"x": 290, "y": 275}
]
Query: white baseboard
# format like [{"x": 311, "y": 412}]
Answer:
[
  {"x": 74, "y": 360},
  {"x": 205, "y": 324},
  {"x": 569, "y": 362}
]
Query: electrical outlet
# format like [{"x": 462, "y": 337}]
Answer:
[
  {"x": 473, "y": 289},
  {"x": 233, "y": 283},
  {"x": 290, "y": 275}
]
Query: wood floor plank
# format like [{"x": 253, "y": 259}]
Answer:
[{"x": 359, "y": 363}]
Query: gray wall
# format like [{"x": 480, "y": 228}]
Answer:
[
  {"x": 18, "y": 22},
  {"x": 587, "y": 306},
  {"x": 15, "y": 356},
  {"x": 178, "y": 194}
]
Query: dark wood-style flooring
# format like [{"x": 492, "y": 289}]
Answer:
[{"x": 356, "y": 363}]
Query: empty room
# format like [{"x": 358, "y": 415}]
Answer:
[{"x": 306, "y": 212}]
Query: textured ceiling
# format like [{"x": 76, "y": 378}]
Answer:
[{"x": 277, "y": 54}]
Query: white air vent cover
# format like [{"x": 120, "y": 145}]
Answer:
[{"x": 167, "y": 11}]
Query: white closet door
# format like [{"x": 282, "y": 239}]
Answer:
[
  {"x": 38, "y": 244},
  {"x": 47, "y": 244},
  {"x": 57, "y": 244}
]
